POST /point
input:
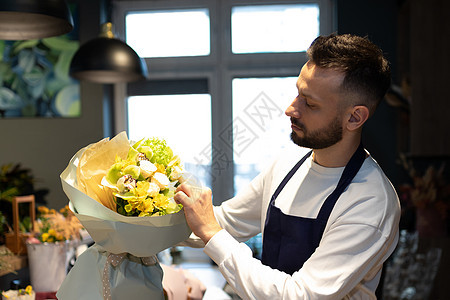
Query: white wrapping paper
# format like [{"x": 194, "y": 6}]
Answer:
[{"x": 117, "y": 234}]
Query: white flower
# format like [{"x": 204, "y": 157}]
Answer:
[
  {"x": 153, "y": 189},
  {"x": 161, "y": 180},
  {"x": 126, "y": 183},
  {"x": 147, "y": 168},
  {"x": 106, "y": 183},
  {"x": 176, "y": 173}
]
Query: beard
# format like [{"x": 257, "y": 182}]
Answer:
[{"x": 320, "y": 138}]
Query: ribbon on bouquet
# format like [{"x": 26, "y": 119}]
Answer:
[{"x": 114, "y": 260}]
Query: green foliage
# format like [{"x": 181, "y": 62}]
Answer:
[
  {"x": 162, "y": 153},
  {"x": 15, "y": 181},
  {"x": 3, "y": 223}
]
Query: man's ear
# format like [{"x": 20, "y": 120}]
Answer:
[{"x": 358, "y": 116}]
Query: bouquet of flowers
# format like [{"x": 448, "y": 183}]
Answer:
[
  {"x": 143, "y": 184},
  {"x": 122, "y": 192}
]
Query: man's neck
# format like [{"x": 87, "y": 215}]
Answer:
[{"x": 337, "y": 155}]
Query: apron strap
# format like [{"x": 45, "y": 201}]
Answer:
[
  {"x": 285, "y": 180},
  {"x": 289, "y": 175},
  {"x": 350, "y": 171}
]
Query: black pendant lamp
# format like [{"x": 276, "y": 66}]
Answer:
[
  {"x": 34, "y": 19},
  {"x": 107, "y": 60}
]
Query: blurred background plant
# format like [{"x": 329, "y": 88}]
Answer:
[
  {"x": 428, "y": 194},
  {"x": 34, "y": 78},
  {"x": 52, "y": 226},
  {"x": 16, "y": 180},
  {"x": 4, "y": 227},
  {"x": 427, "y": 189}
]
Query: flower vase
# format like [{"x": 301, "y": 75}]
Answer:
[
  {"x": 430, "y": 223},
  {"x": 48, "y": 265}
]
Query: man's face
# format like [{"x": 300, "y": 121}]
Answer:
[{"x": 316, "y": 113}]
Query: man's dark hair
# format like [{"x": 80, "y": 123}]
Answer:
[{"x": 366, "y": 70}]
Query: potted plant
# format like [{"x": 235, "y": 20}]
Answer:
[
  {"x": 15, "y": 181},
  {"x": 54, "y": 232}
]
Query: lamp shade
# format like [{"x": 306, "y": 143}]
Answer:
[
  {"x": 34, "y": 19},
  {"x": 107, "y": 60}
]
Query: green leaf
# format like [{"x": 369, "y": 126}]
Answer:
[
  {"x": 27, "y": 60},
  {"x": 34, "y": 76},
  {"x": 6, "y": 73},
  {"x": 114, "y": 173},
  {"x": 67, "y": 101},
  {"x": 20, "y": 45},
  {"x": 132, "y": 170},
  {"x": 54, "y": 85},
  {"x": 9, "y": 193},
  {"x": 62, "y": 66},
  {"x": 9, "y": 99},
  {"x": 2, "y": 49},
  {"x": 61, "y": 43}
]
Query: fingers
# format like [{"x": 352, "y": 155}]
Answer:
[
  {"x": 181, "y": 198},
  {"x": 184, "y": 188},
  {"x": 192, "y": 191}
]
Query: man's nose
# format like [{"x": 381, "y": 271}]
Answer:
[{"x": 292, "y": 110}]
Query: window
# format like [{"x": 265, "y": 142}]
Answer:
[
  {"x": 246, "y": 56},
  {"x": 274, "y": 28},
  {"x": 168, "y": 33}
]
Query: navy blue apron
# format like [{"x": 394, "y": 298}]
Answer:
[{"x": 289, "y": 241}]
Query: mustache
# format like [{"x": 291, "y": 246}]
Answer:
[{"x": 297, "y": 123}]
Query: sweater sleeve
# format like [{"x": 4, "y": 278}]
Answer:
[{"x": 241, "y": 215}]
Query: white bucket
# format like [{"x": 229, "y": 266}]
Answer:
[{"x": 48, "y": 265}]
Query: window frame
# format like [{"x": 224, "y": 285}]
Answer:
[{"x": 219, "y": 68}]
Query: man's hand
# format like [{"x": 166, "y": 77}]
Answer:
[{"x": 198, "y": 210}]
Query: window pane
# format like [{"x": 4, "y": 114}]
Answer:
[
  {"x": 184, "y": 121},
  {"x": 261, "y": 129},
  {"x": 274, "y": 28},
  {"x": 168, "y": 33}
]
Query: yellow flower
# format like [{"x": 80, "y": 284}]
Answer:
[
  {"x": 65, "y": 210},
  {"x": 128, "y": 208},
  {"x": 44, "y": 237},
  {"x": 144, "y": 214},
  {"x": 161, "y": 201},
  {"x": 160, "y": 168},
  {"x": 52, "y": 231},
  {"x": 142, "y": 188},
  {"x": 29, "y": 289},
  {"x": 43, "y": 210},
  {"x": 146, "y": 206}
]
